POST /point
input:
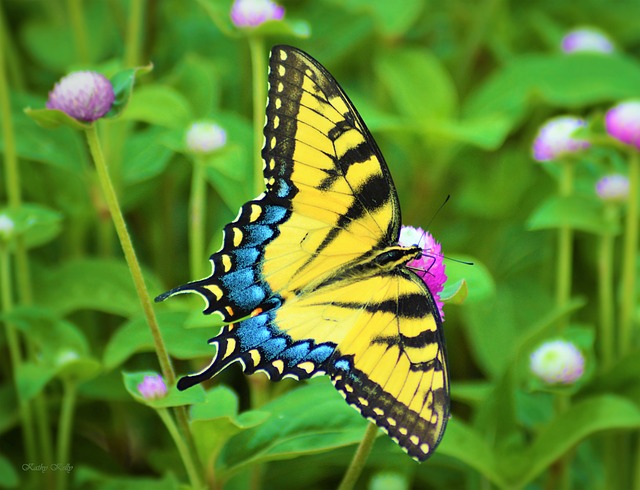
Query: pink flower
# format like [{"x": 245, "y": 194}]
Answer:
[
  {"x": 152, "y": 387},
  {"x": 252, "y": 13},
  {"x": 430, "y": 265},
  {"x": 586, "y": 39},
  {"x": 557, "y": 362},
  {"x": 555, "y": 138},
  {"x": 623, "y": 122},
  {"x": 613, "y": 188},
  {"x": 83, "y": 95}
]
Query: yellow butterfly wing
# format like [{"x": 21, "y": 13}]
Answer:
[{"x": 310, "y": 277}]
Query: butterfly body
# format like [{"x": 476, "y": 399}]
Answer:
[{"x": 310, "y": 278}]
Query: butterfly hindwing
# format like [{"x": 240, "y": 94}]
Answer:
[{"x": 310, "y": 279}]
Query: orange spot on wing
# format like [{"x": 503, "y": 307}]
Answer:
[{"x": 256, "y": 312}]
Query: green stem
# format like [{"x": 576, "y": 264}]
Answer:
[
  {"x": 359, "y": 459},
  {"x": 258, "y": 75},
  {"x": 65, "y": 425},
  {"x": 183, "y": 450},
  {"x": 565, "y": 242},
  {"x": 629, "y": 257},
  {"x": 79, "y": 30},
  {"x": 197, "y": 207},
  {"x": 136, "y": 273},
  {"x": 129, "y": 253},
  {"x": 134, "y": 34},
  {"x": 606, "y": 290},
  {"x": 15, "y": 353}
]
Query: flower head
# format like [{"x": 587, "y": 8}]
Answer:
[
  {"x": 152, "y": 387},
  {"x": 586, "y": 39},
  {"x": 429, "y": 266},
  {"x": 205, "y": 137},
  {"x": 252, "y": 13},
  {"x": 555, "y": 138},
  {"x": 83, "y": 95},
  {"x": 6, "y": 227},
  {"x": 623, "y": 122},
  {"x": 557, "y": 362},
  {"x": 613, "y": 188}
]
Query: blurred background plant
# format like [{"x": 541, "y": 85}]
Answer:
[{"x": 463, "y": 99}]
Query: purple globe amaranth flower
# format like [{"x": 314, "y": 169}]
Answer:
[
  {"x": 152, "y": 387},
  {"x": 555, "y": 138},
  {"x": 205, "y": 137},
  {"x": 557, "y": 362},
  {"x": 83, "y": 95},
  {"x": 430, "y": 265},
  {"x": 586, "y": 40},
  {"x": 252, "y": 13},
  {"x": 613, "y": 188},
  {"x": 623, "y": 122}
]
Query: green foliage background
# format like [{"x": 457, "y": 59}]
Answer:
[{"x": 454, "y": 93}]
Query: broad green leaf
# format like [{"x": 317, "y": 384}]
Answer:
[
  {"x": 418, "y": 84},
  {"x": 577, "y": 212},
  {"x": 174, "y": 397},
  {"x": 389, "y": 481},
  {"x": 53, "y": 118},
  {"x": 390, "y": 18},
  {"x": 31, "y": 378},
  {"x": 197, "y": 78},
  {"x": 477, "y": 277},
  {"x": 123, "y": 83},
  {"x": 145, "y": 155},
  {"x": 486, "y": 132},
  {"x": 466, "y": 445},
  {"x": 95, "y": 284},
  {"x": 8, "y": 475},
  {"x": 579, "y": 422},
  {"x": 87, "y": 477},
  {"x": 309, "y": 419},
  {"x": 216, "y": 420},
  {"x": 35, "y": 223},
  {"x": 564, "y": 81},
  {"x": 455, "y": 293},
  {"x": 159, "y": 105},
  {"x": 134, "y": 336}
]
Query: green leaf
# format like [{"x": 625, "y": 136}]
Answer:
[
  {"x": 53, "y": 118},
  {"x": 579, "y": 422},
  {"x": 8, "y": 476},
  {"x": 408, "y": 73},
  {"x": 455, "y": 293},
  {"x": 159, "y": 105},
  {"x": 174, "y": 397},
  {"x": 8, "y": 407},
  {"x": 486, "y": 132},
  {"x": 477, "y": 278},
  {"x": 309, "y": 419},
  {"x": 468, "y": 446},
  {"x": 391, "y": 19},
  {"x": 86, "y": 477},
  {"x": 95, "y": 284},
  {"x": 577, "y": 212},
  {"x": 123, "y": 83},
  {"x": 197, "y": 78},
  {"x": 35, "y": 223},
  {"x": 31, "y": 378},
  {"x": 134, "y": 336},
  {"x": 145, "y": 155}
]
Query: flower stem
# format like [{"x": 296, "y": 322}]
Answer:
[
  {"x": 129, "y": 253},
  {"x": 136, "y": 273},
  {"x": 259, "y": 71},
  {"x": 565, "y": 242},
  {"x": 197, "y": 206},
  {"x": 187, "y": 460},
  {"x": 630, "y": 256},
  {"x": 606, "y": 290},
  {"x": 134, "y": 34},
  {"x": 79, "y": 30},
  {"x": 65, "y": 425},
  {"x": 360, "y": 458}
]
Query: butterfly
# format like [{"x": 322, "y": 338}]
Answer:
[{"x": 310, "y": 279}]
